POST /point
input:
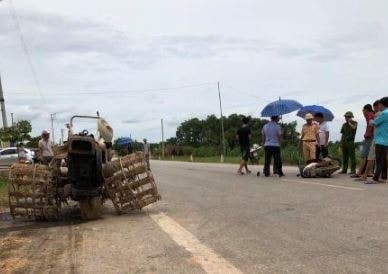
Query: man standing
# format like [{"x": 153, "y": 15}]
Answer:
[
  {"x": 348, "y": 131},
  {"x": 372, "y": 153},
  {"x": 46, "y": 152},
  {"x": 368, "y": 138},
  {"x": 381, "y": 143},
  {"x": 323, "y": 136},
  {"x": 271, "y": 139},
  {"x": 147, "y": 152},
  {"x": 243, "y": 137},
  {"x": 309, "y": 138}
]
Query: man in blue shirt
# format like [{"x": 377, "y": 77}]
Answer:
[
  {"x": 381, "y": 140},
  {"x": 271, "y": 139}
]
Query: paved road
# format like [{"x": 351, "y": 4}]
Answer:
[{"x": 211, "y": 220}]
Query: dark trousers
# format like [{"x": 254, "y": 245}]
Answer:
[
  {"x": 381, "y": 162},
  {"x": 272, "y": 151},
  {"x": 348, "y": 152},
  {"x": 322, "y": 150}
]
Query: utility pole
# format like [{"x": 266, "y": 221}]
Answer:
[
  {"x": 162, "y": 126},
  {"x": 2, "y": 104},
  {"x": 52, "y": 117},
  {"x": 11, "y": 119},
  {"x": 222, "y": 124},
  {"x": 62, "y": 134}
]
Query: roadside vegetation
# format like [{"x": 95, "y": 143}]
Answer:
[
  {"x": 199, "y": 140},
  {"x": 3, "y": 193}
]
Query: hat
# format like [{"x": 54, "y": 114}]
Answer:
[
  {"x": 349, "y": 114},
  {"x": 308, "y": 116},
  {"x": 45, "y": 131}
]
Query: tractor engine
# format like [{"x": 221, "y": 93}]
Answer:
[{"x": 84, "y": 167}]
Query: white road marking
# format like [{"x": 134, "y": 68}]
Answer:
[
  {"x": 321, "y": 184},
  {"x": 203, "y": 255}
]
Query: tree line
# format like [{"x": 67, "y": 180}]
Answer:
[{"x": 204, "y": 136}]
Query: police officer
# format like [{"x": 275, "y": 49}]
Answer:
[{"x": 348, "y": 131}]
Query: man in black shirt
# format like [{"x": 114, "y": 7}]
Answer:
[{"x": 243, "y": 137}]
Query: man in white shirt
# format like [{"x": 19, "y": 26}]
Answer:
[
  {"x": 323, "y": 136},
  {"x": 46, "y": 152},
  {"x": 147, "y": 152}
]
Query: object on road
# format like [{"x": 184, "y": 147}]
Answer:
[
  {"x": 254, "y": 155},
  {"x": 280, "y": 107},
  {"x": 82, "y": 171},
  {"x": 314, "y": 109},
  {"x": 319, "y": 168}
]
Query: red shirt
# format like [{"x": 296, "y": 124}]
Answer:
[{"x": 369, "y": 127}]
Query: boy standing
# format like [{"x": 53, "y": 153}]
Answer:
[{"x": 243, "y": 137}]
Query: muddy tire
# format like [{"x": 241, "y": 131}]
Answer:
[{"x": 90, "y": 208}]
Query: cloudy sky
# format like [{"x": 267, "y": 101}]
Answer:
[{"x": 139, "y": 61}]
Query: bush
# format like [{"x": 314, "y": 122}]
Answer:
[
  {"x": 291, "y": 155},
  {"x": 186, "y": 150},
  {"x": 204, "y": 152},
  {"x": 235, "y": 152}
]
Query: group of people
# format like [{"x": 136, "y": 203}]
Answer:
[
  {"x": 272, "y": 133},
  {"x": 314, "y": 140},
  {"x": 374, "y": 148}
]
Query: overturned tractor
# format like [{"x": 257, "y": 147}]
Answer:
[{"x": 82, "y": 170}]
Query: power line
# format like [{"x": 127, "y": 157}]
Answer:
[
  {"x": 242, "y": 91},
  {"x": 106, "y": 92},
  {"x": 14, "y": 15}
]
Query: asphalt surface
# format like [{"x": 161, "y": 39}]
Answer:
[{"x": 212, "y": 220}]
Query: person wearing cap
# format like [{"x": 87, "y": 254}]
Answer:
[
  {"x": 348, "y": 131},
  {"x": 309, "y": 138},
  {"x": 381, "y": 143},
  {"x": 46, "y": 152},
  {"x": 272, "y": 133},
  {"x": 147, "y": 152}
]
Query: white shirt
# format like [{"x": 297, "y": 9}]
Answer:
[
  {"x": 46, "y": 147},
  {"x": 323, "y": 129},
  {"x": 147, "y": 149}
]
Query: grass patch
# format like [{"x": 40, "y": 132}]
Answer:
[
  {"x": 3, "y": 193},
  {"x": 212, "y": 159}
]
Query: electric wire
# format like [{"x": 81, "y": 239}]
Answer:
[{"x": 16, "y": 20}]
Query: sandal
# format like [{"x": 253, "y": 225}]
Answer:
[{"x": 240, "y": 173}]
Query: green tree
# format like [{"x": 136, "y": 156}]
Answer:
[
  {"x": 18, "y": 133},
  {"x": 33, "y": 142},
  {"x": 206, "y": 133}
]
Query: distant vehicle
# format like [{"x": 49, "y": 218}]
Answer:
[{"x": 9, "y": 156}]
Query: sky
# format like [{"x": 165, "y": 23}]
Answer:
[{"x": 140, "y": 61}]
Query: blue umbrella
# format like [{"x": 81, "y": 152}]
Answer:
[
  {"x": 280, "y": 107},
  {"x": 314, "y": 109},
  {"x": 123, "y": 141}
]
